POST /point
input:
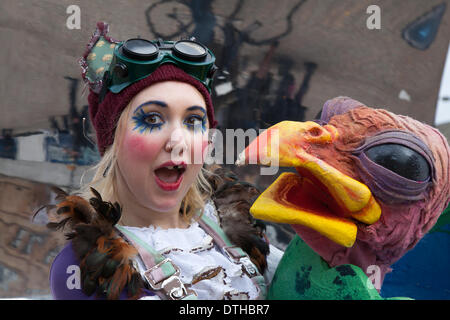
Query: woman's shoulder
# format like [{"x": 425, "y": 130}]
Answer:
[
  {"x": 66, "y": 279},
  {"x": 84, "y": 269},
  {"x": 65, "y": 276}
]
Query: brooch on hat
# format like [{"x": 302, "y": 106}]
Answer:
[{"x": 97, "y": 57}]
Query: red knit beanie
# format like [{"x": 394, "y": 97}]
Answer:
[{"x": 104, "y": 116}]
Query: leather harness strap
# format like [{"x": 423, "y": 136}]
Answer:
[{"x": 163, "y": 276}]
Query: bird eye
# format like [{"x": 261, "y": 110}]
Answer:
[{"x": 400, "y": 159}]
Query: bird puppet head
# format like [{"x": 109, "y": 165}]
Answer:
[{"x": 368, "y": 184}]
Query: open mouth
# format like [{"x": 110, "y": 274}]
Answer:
[
  {"x": 169, "y": 177},
  {"x": 318, "y": 196},
  {"x": 303, "y": 200}
]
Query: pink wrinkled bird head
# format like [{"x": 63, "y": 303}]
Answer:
[{"x": 401, "y": 225}]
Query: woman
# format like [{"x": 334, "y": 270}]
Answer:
[{"x": 152, "y": 112}]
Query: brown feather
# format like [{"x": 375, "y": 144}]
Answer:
[
  {"x": 74, "y": 208},
  {"x": 119, "y": 280},
  {"x": 233, "y": 199},
  {"x": 106, "y": 259}
]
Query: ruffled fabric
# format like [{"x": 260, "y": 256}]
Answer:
[{"x": 194, "y": 252}]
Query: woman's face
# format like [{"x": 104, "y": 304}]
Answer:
[{"x": 163, "y": 143}]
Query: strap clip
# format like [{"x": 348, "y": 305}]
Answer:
[
  {"x": 236, "y": 254},
  {"x": 164, "y": 276}
]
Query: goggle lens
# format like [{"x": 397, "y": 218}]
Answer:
[
  {"x": 139, "y": 49},
  {"x": 190, "y": 50}
]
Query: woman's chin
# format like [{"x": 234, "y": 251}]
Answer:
[
  {"x": 164, "y": 202},
  {"x": 165, "y": 205}
]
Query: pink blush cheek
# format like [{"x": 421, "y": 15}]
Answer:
[{"x": 139, "y": 147}]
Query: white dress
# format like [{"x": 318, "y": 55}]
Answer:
[{"x": 194, "y": 252}]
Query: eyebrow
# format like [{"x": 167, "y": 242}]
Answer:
[
  {"x": 155, "y": 102},
  {"x": 197, "y": 108}
]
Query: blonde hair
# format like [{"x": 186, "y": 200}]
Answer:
[{"x": 106, "y": 173}]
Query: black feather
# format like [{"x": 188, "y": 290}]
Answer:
[
  {"x": 58, "y": 225},
  {"x": 47, "y": 206},
  {"x": 60, "y": 193},
  {"x": 135, "y": 285},
  {"x": 62, "y": 210},
  {"x": 89, "y": 286},
  {"x": 84, "y": 239},
  {"x": 96, "y": 260},
  {"x": 111, "y": 212},
  {"x": 103, "y": 288},
  {"x": 109, "y": 268},
  {"x": 97, "y": 194}
]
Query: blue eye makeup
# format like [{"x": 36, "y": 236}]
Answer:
[
  {"x": 195, "y": 123},
  {"x": 147, "y": 121}
]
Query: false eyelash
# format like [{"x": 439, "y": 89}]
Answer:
[
  {"x": 142, "y": 125},
  {"x": 196, "y": 127}
]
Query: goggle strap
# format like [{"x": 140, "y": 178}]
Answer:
[{"x": 105, "y": 85}]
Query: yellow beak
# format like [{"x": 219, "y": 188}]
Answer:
[{"x": 319, "y": 196}]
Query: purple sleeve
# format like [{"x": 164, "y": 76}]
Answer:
[{"x": 65, "y": 278}]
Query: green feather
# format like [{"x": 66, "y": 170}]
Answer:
[{"x": 109, "y": 268}]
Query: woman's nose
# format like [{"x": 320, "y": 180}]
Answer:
[{"x": 176, "y": 143}]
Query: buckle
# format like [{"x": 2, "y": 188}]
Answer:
[
  {"x": 242, "y": 259},
  {"x": 175, "y": 289},
  {"x": 155, "y": 275},
  {"x": 249, "y": 267},
  {"x": 170, "y": 283},
  {"x": 232, "y": 253}
]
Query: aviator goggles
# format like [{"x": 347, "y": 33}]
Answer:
[{"x": 135, "y": 59}]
